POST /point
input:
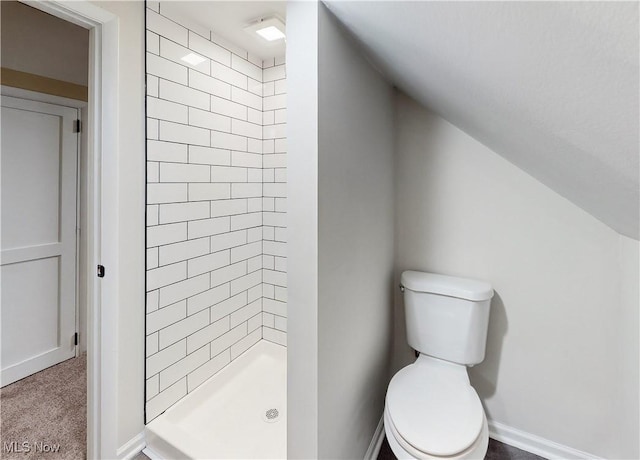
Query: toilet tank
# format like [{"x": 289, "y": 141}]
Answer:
[{"x": 446, "y": 317}]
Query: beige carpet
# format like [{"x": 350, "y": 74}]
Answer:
[{"x": 48, "y": 407}]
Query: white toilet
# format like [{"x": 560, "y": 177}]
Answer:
[{"x": 431, "y": 410}]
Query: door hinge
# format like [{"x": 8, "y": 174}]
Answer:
[
  {"x": 75, "y": 339},
  {"x": 77, "y": 126},
  {"x": 100, "y": 271}
]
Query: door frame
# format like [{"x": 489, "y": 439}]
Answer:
[{"x": 102, "y": 218}]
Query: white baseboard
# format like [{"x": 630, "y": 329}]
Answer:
[
  {"x": 132, "y": 447},
  {"x": 151, "y": 454},
  {"x": 498, "y": 431},
  {"x": 535, "y": 444},
  {"x": 376, "y": 442}
]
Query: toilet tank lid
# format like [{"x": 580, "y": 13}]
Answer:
[{"x": 451, "y": 286}]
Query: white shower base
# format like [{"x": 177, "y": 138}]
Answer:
[{"x": 225, "y": 417}]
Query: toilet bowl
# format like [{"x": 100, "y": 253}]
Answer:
[{"x": 431, "y": 412}]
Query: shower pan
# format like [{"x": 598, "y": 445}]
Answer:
[{"x": 241, "y": 412}]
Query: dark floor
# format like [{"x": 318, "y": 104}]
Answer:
[{"x": 497, "y": 451}]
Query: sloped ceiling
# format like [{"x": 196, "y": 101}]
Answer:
[{"x": 553, "y": 87}]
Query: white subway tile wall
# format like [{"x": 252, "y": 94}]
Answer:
[
  {"x": 274, "y": 219},
  {"x": 216, "y": 206}
]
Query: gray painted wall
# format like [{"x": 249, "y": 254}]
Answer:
[
  {"x": 302, "y": 230},
  {"x": 562, "y": 348},
  {"x": 340, "y": 238},
  {"x": 39, "y": 43},
  {"x": 355, "y": 243}
]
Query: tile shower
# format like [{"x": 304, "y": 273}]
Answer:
[{"x": 216, "y": 206}]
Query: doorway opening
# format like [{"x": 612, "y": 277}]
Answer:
[
  {"x": 43, "y": 372},
  {"x": 101, "y": 135}
]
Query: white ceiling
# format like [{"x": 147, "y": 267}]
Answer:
[
  {"x": 227, "y": 19},
  {"x": 550, "y": 86}
]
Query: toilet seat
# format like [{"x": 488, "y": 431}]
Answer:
[
  {"x": 477, "y": 450},
  {"x": 433, "y": 410}
]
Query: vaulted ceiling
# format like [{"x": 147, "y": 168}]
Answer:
[{"x": 553, "y": 87}]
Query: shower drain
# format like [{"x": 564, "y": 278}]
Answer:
[{"x": 271, "y": 415}]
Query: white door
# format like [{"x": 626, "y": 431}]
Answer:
[{"x": 38, "y": 161}]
